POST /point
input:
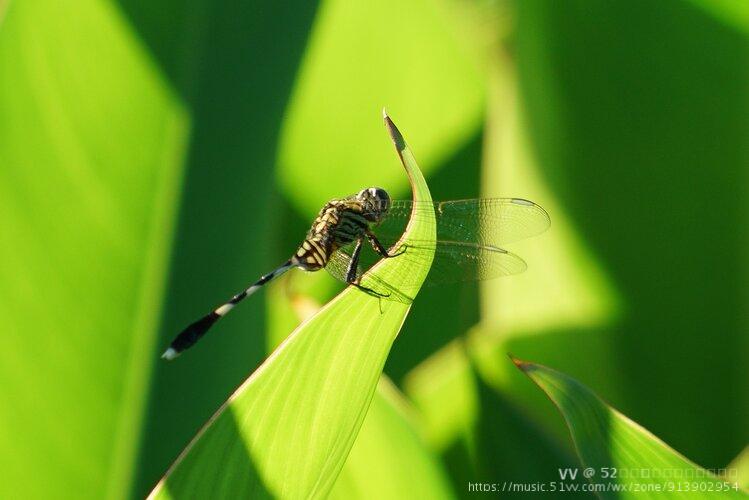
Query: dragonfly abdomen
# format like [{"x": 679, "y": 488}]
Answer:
[{"x": 313, "y": 254}]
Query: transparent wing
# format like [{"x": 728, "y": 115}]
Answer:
[
  {"x": 338, "y": 263},
  {"x": 454, "y": 262},
  {"x": 491, "y": 222},
  {"x": 470, "y": 234}
]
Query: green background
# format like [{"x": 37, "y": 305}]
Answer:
[{"x": 157, "y": 156}]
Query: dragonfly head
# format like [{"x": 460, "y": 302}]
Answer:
[{"x": 376, "y": 202}]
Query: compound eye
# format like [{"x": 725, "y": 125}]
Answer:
[{"x": 382, "y": 195}]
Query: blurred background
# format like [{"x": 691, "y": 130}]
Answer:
[{"x": 157, "y": 156}]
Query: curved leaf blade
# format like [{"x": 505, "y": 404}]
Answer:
[
  {"x": 390, "y": 458},
  {"x": 286, "y": 432},
  {"x": 611, "y": 444}
]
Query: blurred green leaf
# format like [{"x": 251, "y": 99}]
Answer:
[
  {"x": 489, "y": 347},
  {"x": 443, "y": 388},
  {"x": 577, "y": 290},
  {"x": 288, "y": 429},
  {"x": 637, "y": 113},
  {"x": 479, "y": 431},
  {"x": 363, "y": 56},
  {"x": 235, "y": 72},
  {"x": 389, "y": 459},
  {"x": 606, "y": 440},
  {"x": 3, "y": 9},
  {"x": 739, "y": 469},
  {"x": 91, "y": 146},
  {"x": 735, "y": 13}
]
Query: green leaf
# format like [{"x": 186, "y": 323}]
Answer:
[
  {"x": 480, "y": 432},
  {"x": 600, "y": 144},
  {"x": 389, "y": 458},
  {"x": 229, "y": 214},
  {"x": 610, "y": 443},
  {"x": 286, "y": 432},
  {"x": 733, "y": 13},
  {"x": 91, "y": 146},
  {"x": 738, "y": 469},
  {"x": 443, "y": 388}
]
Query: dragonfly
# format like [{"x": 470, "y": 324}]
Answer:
[{"x": 352, "y": 234}]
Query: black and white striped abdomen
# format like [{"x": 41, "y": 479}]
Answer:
[{"x": 313, "y": 254}]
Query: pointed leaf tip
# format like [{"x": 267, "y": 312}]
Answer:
[
  {"x": 604, "y": 438},
  {"x": 521, "y": 364},
  {"x": 395, "y": 135}
]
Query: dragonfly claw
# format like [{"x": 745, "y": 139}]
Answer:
[
  {"x": 369, "y": 291},
  {"x": 400, "y": 251}
]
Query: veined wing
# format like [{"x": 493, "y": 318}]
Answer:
[
  {"x": 492, "y": 222},
  {"x": 454, "y": 261}
]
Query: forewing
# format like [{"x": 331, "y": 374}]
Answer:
[
  {"x": 470, "y": 236},
  {"x": 486, "y": 221}
]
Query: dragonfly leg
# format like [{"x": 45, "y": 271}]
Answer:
[
  {"x": 380, "y": 249},
  {"x": 369, "y": 291},
  {"x": 353, "y": 265}
]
